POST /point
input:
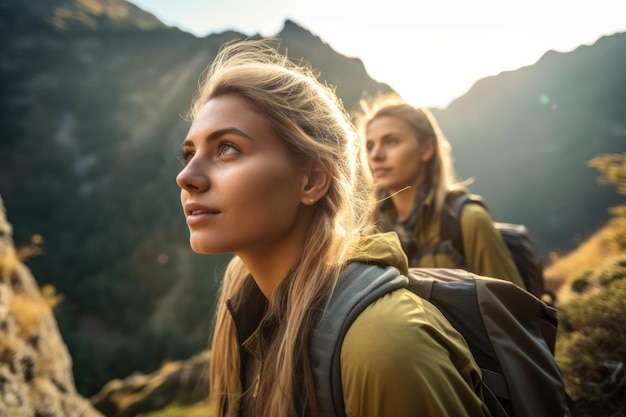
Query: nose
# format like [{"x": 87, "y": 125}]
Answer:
[
  {"x": 376, "y": 153},
  {"x": 193, "y": 177}
]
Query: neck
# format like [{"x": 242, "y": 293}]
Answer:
[
  {"x": 403, "y": 200},
  {"x": 267, "y": 275},
  {"x": 269, "y": 264}
]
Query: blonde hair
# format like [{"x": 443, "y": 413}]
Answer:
[
  {"x": 440, "y": 172},
  {"x": 314, "y": 126}
]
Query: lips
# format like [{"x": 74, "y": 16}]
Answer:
[
  {"x": 378, "y": 172},
  {"x": 197, "y": 213},
  {"x": 192, "y": 209}
]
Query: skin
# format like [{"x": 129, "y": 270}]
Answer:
[
  {"x": 242, "y": 193},
  {"x": 397, "y": 159}
]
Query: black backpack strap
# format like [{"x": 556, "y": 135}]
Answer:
[
  {"x": 492, "y": 403},
  {"x": 451, "y": 217},
  {"x": 451, "y": 233},
  {"x": 451, "y": 221}
]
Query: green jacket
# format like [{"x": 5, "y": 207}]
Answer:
[
  {"x": 485, "y": 251},
  {"x": 400, "y": 357}
]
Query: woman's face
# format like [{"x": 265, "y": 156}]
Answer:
[
  {"x": 395, "y": 154},
  {"x": 240, "y": 190}
]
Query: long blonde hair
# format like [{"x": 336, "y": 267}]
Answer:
[
  {"x": 440, "y": 172},
  {"x": 314, "y": 126}
]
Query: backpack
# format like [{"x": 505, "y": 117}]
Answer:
[
  {"x": 516, "y": 236},
  {"x": 511, "y": 335}
]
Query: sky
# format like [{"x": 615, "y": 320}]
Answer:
[{"x": 430, "y": 52}]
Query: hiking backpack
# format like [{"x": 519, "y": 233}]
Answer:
[
  {"x": 516, "y": 236},
  {"x": 510, "y": 333}
]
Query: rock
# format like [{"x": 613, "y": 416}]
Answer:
[
  {"x": 36, "y": 376},
  {"x": 181, "y": 382}
]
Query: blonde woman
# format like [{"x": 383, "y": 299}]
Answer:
[
  {"x": 412, "y": 163},
  {"x": 272, "y": 175}
]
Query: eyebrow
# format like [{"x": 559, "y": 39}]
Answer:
[
  {"x": 385, "y": 136},
  {"x": 219, "y": 133}
]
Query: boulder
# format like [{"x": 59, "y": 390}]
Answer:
[{"x": 180, "y": 382}]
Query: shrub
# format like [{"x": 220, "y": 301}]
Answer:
[
  {"x": 591, "y": 348},
  {"x": 613, "y": 270},
  {"x": 580, "y": 283}
]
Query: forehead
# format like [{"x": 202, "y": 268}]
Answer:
[
  {"x": 224, "y": 110},
  {"x": 384, "y": 125},
  {"x": 232, "y": 116},
  {"x": 231, "y": 113}
]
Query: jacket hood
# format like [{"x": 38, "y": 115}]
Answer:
[{"x": 381, "y": 248}]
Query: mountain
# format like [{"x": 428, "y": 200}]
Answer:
[
  {"x": 93, "y": 98},
  {"x": 77, "y": 15},
  {"x": 526, "y": 137}
]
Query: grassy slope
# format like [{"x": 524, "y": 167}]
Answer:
[{"x": 588, "y": 255}]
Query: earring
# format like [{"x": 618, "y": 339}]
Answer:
[{"x": 311, "y": 201}]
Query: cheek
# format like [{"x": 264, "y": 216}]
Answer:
[
  {"x": 264, "y": 193},
  {"x": 270, "y": 195},
  {"x": 408, "y": 167},
  {"x": 410, "y": 156}
]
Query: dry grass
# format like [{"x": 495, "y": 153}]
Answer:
[
  {"x": 8, "y": 259},
  {"x": 50, "y": 296},
  {"x": 28, "y": 312},
  {"x": 592, "y": 253},
  {"x": 32, "y": 249}
]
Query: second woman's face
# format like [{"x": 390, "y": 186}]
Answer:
[
  {"x": 240, "y": 190},
  {"x": 394, "y": 153}
]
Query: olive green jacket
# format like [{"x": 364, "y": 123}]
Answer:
[
  {"x": 485, "y": 250},
  {"x": 400, "y": 357}
]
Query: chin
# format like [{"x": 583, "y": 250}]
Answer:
[
  {"x": 198, "y": 246},
  {"x": 202, "y": 247}
]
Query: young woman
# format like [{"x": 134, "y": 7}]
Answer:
[
  {"x": 272, "y": 176},
  {"x": 412, "y": 163}
]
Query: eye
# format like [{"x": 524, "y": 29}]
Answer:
[
  {"x": 185, "y": 156},
  {"x": 226, "y": 148}
]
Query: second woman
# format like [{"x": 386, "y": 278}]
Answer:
[{"x": 412, "y": 163}]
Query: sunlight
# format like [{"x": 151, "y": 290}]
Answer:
[{"x": 431, "y": 55}]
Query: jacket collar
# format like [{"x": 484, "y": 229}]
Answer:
[
  {"x": 381, "y": 248},
  {"x": 248, "y": 306}
]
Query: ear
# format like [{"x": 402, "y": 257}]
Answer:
[
  {"x": 315, "y": 184},
  {"x": 428, "y": 149}
]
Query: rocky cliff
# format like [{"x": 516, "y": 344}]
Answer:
[{"x": 35, "y": 366}]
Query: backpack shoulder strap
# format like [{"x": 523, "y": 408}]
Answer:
[
  {"x": 359, "y": 285},
  {"x": 451, "y": 230}
]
